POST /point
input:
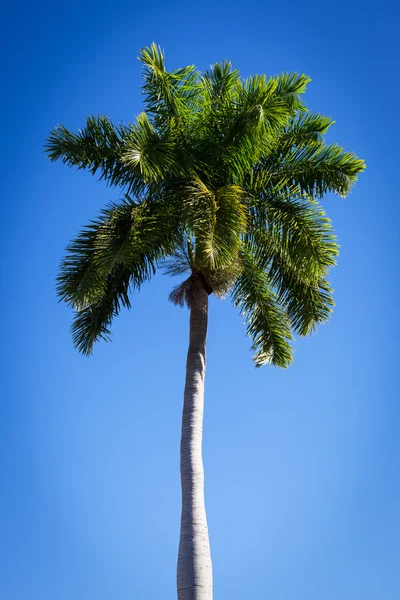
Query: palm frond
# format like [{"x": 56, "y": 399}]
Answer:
[
  {"x": 149, "y": 155},
  {"x": 223, "y": 279},
  {"x": 318, "y": 169},
  {"x": 182, "y": 260},
  {"x": 183, "y": 293},
  {"x": 298, "y": 228},
  {"x": 276, "y": 98},
  {"x": 267, "y": 322},
  {"x": 96, "y": 147},
  {"x": 303, "y": 293},
  {"x": 219, "y": 84},
  {"x": 79, "y": 283},
  {"x": 290, "y": 88},
  {"x": 217, "y": 220},
  {"x": 262, "y": 107},
  {"x": 307, "y": 304},
  {"x": 293, "y": 241},
  {"x": 137, "y": 235},
  {"x": 134, "y": 235},
  {"x": 167, "y": 94},
  {"x": 304, "y": 129},
  {"x": 92, "y": 322},
  {"x": 259, "y": 102}
]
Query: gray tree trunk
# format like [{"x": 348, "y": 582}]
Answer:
[{"x": 194, "y": 576}]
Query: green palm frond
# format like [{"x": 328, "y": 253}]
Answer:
[
  {"x": 303, "y": 292},
  {"x": 219, "y": 85},
  {"x": 136, "y": 235},
  {"x": 307, "y": 304},
  {"x": 318, "y": 169},
  {"x": 92, "y": 322},
  {"x": 259, "y": 101},
  {"x": 273, "y": 100},
  {"x": 217, "y": 219},
  {"x": 125, "y": 234},
  {"x": 224, "y": 278},
  {"x": 79, "y": 283},
  {"x": 117, "y": 252},
  {"x": 298, "y": 228},
  {"x": 304, "y": 129},
  {"x": 96, "y": 147},
  {"x": 290, "y": 88},
  {"x": 150, "y": 155},
  {"x": 167, "y": 94},
  {"x": 296, "y": 246},
  {"x": 260, "y": 109},
  {"x": 267, "y": 322},
  {"x": 182, "y": 261},
  {"x": 116, "y": 232}
]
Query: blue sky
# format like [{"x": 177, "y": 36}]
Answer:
[{"x": 302, "y": 466}]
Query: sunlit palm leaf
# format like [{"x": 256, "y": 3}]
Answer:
[
  {"x": 96, "y": 147},
  {"x": 267, "y": 323},
  {"x": 92, "y": 322},
  {"x": 167, "y": 94},
  {"x": 217, "y": 219},
  {"x": 298, "y": 228}
]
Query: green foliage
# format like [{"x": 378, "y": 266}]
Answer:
[
  {"x": 150, "y": 155},
  {"x": 93, "y": 319},
  {"x": 219, "y": 176},
  {"x": 267, "y": 322},
  {"x": 217, "y": 220},
  {"x": 117, "y": 252},
  {"x": 97, "y": 147}
]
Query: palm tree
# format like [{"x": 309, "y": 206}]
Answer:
[{"x": 221, "y": 179}]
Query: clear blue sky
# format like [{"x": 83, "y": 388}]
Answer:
[{"x": 302, "y": 466}]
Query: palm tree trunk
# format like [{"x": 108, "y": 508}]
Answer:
[{"x": 194, "y": 575}]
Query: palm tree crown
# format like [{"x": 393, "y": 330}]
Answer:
[{"x": 221, "y": 179}]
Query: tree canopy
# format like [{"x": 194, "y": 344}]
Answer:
[{"x": 220, "y": 178}]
